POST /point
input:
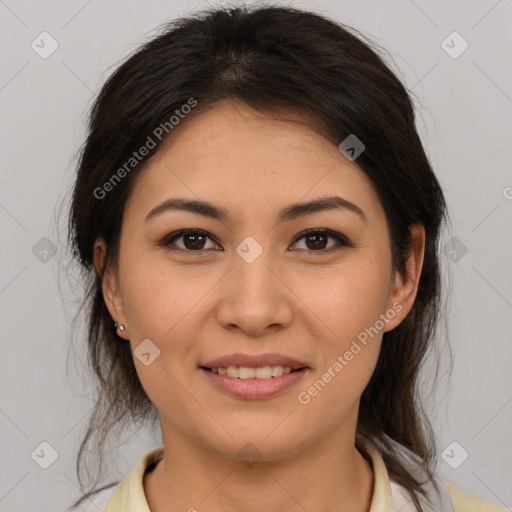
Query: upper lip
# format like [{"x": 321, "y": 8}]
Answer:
[{"x": 256, "y": 360}]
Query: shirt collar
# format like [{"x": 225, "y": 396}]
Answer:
[{"x": 129, "y": 495}]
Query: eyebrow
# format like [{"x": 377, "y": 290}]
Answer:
[{"x": 290, "y": 212}]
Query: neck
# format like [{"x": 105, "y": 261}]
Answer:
[{"x": 189, "y": 477}]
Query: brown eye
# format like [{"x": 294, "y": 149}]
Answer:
[
  {"x": 316, "y": 240},
  {"x": 194, "y": 240}
]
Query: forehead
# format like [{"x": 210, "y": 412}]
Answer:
[{"x": 250, "y": 163}]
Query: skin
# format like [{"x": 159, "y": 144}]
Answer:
[{"x": 306, "y": 304}]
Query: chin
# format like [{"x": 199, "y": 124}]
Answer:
[{"x": 251, "y": 444}]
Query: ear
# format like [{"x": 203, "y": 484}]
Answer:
[
  {"x": 404, "y": 291},
  {"x": 109, "y": 287}
]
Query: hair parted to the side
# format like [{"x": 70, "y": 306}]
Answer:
[{"x": 296, "y": 64}]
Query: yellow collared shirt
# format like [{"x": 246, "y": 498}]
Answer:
[{"x": 129, "y": 495}]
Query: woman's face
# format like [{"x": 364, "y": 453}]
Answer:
[{"x": 253, "y": 283}]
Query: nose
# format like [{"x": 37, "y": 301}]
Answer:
[{"x": 255, "y": 298}]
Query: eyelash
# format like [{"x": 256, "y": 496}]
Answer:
[{"x": 167, "y": 242}]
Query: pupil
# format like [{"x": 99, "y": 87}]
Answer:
[
  {"x": 316, "y": 237},
  {"x": 316, "y": 241},
  {"x": 195, "y": 237}
]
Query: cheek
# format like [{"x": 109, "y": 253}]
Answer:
[
  {"x": 159, "y": 300},
  {"x": 345, "y": 300},
  {"x": 161, "y": 305},
  {"x": 347, "y": 325}
]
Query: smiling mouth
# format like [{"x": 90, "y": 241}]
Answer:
[
  {"x": 254, "y": 383},
  {"x": 260, "y": 373}
]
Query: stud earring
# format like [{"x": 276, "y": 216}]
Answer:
[{"x": 119, "y": 327}]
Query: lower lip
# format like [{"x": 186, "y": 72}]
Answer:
[{"x": 255, "y": 388}]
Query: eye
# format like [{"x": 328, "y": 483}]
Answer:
[
  {"x": 316, "y": 240},
  {"x": 195, "y": 240}
]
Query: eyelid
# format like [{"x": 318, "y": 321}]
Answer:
[
  {"x": 342, "y": 240},
  {"x": 166, "y": 242}
]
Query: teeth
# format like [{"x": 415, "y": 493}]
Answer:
[{"x": 246, "y": 372}]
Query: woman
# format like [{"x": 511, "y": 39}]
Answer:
[{"x": 261, "y": 227}]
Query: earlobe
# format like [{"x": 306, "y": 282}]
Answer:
[
  {"x": 109, "y": 288},
  {"x": 405, "y": 289}
]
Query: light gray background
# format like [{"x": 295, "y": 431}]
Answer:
[{"x": 464, "y": 117}]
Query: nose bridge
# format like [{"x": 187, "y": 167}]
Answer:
[
  {"x": 255, "y": 296},
  {"x": 251, "y": 267}
]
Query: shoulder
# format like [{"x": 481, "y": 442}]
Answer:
[
  {"x": 99, "y": 500},
  {"x": 464, "y": 501},
  {"x": 130, "y": 490}
]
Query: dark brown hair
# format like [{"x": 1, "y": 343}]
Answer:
[{"x": 285, "y": 61}]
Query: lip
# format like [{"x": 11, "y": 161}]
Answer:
[
  {"x": 254, "y": 361},
  {"x": 254, "y": 388}
]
